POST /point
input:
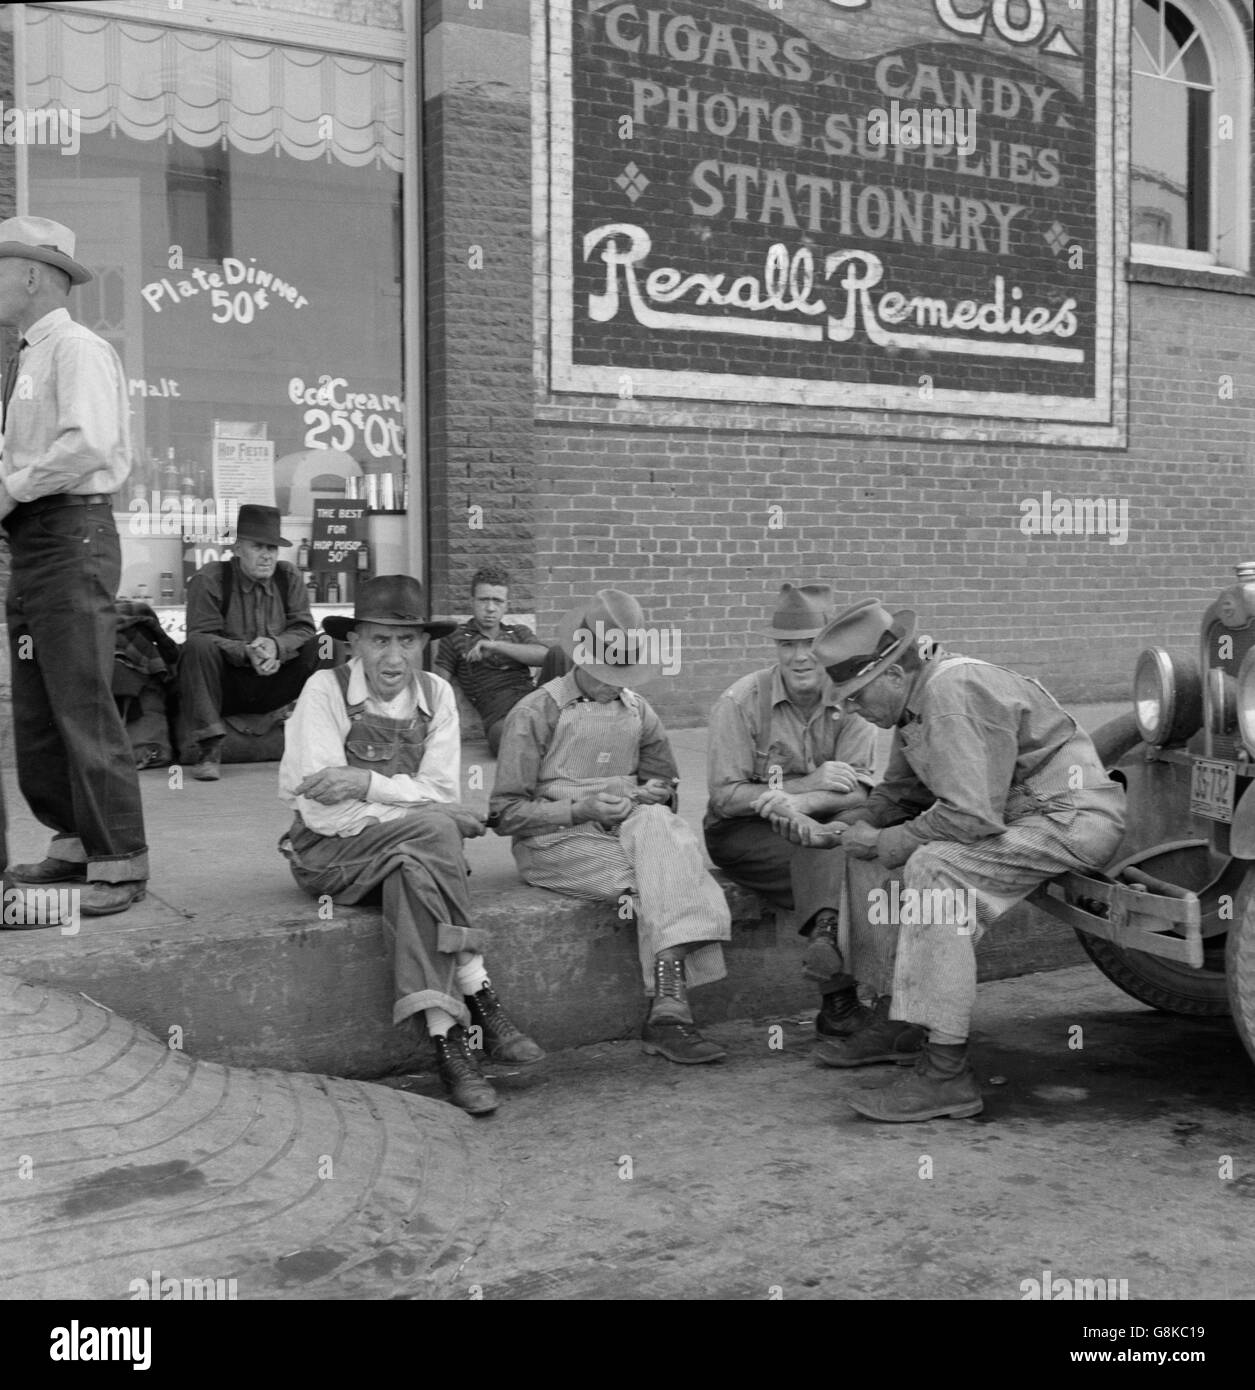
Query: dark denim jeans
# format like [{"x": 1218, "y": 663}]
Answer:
[{"x": 74, "y": 763}]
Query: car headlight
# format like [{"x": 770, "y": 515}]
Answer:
[
  {"x": 1167, "y": 697},
  {"x": 1246, "y": 700}
]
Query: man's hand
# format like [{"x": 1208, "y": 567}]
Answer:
[
  {"x": 331, "y": 785},
  {"x": 802, "y": 830},
  {"x": 480, "y": 650},
  {"x": 778, "y": 803},
  {"x": 470, "y": 823},
  {"x": 6, "y": 502},
  {"x": 605, "y": 808},
  {"x": 862, "y": 840},
  {"x": 263, "y": 655},
  {"x": 832, "y": 777},
  {"x": 657, "y": 791}
]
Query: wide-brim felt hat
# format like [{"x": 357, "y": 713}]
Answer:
[
  {"x": 802, "y": 611},
  {"x": 42, "y": 239},
  {"x": 257, "y": 523},
  {"x": 860, "y": 643},
  {"x": 392, "y": 600},
  {"x": 606, "y": 637}
]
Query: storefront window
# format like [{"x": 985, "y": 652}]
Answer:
[{"x": 240, "y": 204}]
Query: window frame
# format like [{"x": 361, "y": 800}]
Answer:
[{"x": 1225, "y": 42}]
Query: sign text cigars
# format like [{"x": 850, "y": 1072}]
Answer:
[{"x": 897, "y": 205}]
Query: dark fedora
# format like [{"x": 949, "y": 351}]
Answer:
[
  {"x": 261, "y": 524},
  {"x": 392, "y": 600},
  {"x": 801, "y": 612},
  {"x": 858, "y": 644}
]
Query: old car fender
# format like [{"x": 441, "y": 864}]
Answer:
[{"x": 1242, "y": 831}]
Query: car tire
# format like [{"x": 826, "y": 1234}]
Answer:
[
  {"x": 1240, "y": 964},
  {"x": 1163, "y": 984}
]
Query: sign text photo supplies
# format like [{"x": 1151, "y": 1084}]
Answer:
[{"x": 822, "y": 205}]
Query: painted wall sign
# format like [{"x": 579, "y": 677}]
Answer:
[
  {"x": 340, "y": 416},
  {"x": 891, "y": 205}
]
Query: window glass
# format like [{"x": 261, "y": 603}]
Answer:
[
  {"x": 1171, "y": 112},
  {"x": 238, "y": 202}
]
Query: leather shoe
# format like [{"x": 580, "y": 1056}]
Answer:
[
  {"x": 925, "y": 1093},
  {"x": 842, "y": 1014},
  {"x": 504, "y": 1040},
  {"x": 209, "y": 757},
  {"x": 677, "y": 1039},
  {"x": 880, "y": 1039},
  {"x": 48, "y": 870},
  {"x": 104, "y": 899},
  {"x": 459, "y": 1072}
]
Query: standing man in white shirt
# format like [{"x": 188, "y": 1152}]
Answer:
[
  {"x": 372, "y": 769},
  {"x": 66, "y": 451}
]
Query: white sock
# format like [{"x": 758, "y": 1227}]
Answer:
[
  {"x": 438, "y": 1022},
  {"x": 471, "y": 975},
  {"x": 944, "y": 1039}
]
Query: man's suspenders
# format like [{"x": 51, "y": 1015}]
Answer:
[{"x": 762, "y": 751}]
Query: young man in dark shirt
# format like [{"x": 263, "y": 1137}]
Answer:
[{"x": 490, "y": 660}]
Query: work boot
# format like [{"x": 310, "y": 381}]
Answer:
[
  {"x": 208, "y": 760},
  {"x": 504, "y": 1040},
  {"x": 48, "y": 870},
  {"x": 459, "y": 1071},
  {"x": 104, "y": 899},
  {"x": 841, "y": 1014},
  {"x": 937, "y": 1086},
  {"x": 880, "y": 1039},
  {"x": 822, "y": 958},
  {"x": 669, "y": 1029}
]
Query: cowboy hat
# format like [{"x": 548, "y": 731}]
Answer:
[
  {"x": 801, "y": 612},
  {"x": 392, "y": 600},
  {"x": 858, "y": 644},
  {"x": 258, "y": 523},
  {"x": 606, "y": 637},
  {"x": 41, "y": 239}
]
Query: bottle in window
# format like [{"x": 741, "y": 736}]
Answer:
[
  {"x": 302, "y": 555},
  {"x": 170, "y": 478}
]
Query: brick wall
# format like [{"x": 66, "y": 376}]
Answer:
[
  {"x": 478, "y": 191},
  {"x": 681, "y": 518}
]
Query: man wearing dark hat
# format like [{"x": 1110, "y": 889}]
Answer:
[
  {"x": 584, "y": 773},
  {"x": 780, "y": 741},
  {"x": 372, "y": 769},
  {"x": 66, "y": 452},
  {"x": 991, "y": 789},
  {"x": 251, "y": 644}
]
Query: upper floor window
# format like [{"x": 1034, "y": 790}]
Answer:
[{"x": 1189, "y": 192}]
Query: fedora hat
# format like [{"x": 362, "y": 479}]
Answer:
[
  {"x": 41, "y": 239},
  {"x": 858, "y": 644},
  {"x": 801, "y": 611},
  {"x": 392, "y": 600},
  {"x": 257, "y": 523},
  {"x": 605, "y": 635}
]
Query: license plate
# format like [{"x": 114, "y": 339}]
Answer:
[{"x": 1211, "y": 789}]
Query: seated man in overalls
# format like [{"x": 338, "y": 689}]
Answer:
[
  {"x": 584, "y": 773},
  {"x": 992, "y": 788},
  {"x": 372, "y": 768}
]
